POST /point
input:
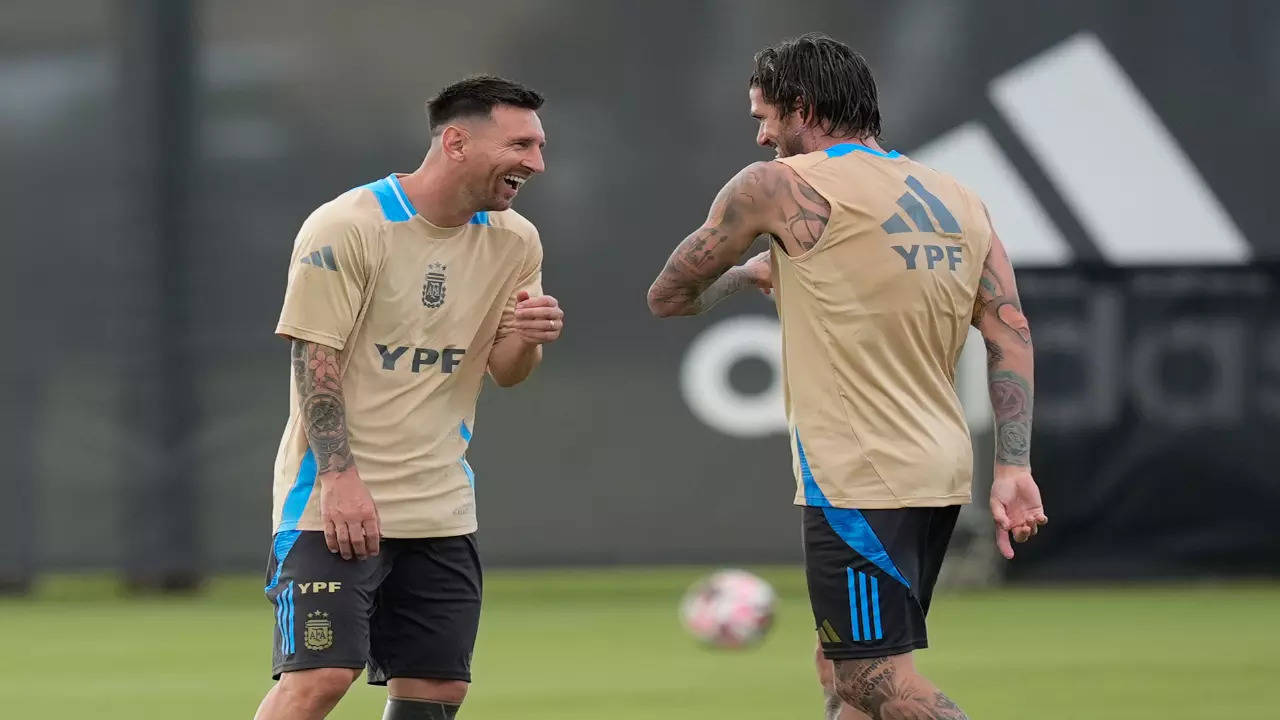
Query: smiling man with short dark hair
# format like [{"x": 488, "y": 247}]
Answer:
[{"x": 402, "y": 294}]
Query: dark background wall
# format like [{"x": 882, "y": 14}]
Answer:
[{"x": 158, "y": 157}]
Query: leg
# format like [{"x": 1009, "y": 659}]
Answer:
[
  {"x": 835, "y": 709},
  {"x": 889, "y": 688},
  {"x": 867, "y": 572},
  {"x": 321, "y": 607},
  {"x": 306, "y": 694},
  {"x": 424, "y": 628}
]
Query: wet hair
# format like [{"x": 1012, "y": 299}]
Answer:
[
  {"x": 476, "y": 96},
  {"x": 824, "y": 79}
]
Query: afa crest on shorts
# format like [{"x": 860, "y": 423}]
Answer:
[
  {"x": 433, "y": 286},
  {"x": 319, "y": 632}
]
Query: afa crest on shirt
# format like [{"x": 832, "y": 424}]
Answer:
[
  {"x": 319, "y": 633},
  {"x": 433, "y": 286}
]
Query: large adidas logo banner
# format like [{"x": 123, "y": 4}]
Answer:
[
  {"x": 1120, "y": 173},
  {"x": 1117, "y": 167}
]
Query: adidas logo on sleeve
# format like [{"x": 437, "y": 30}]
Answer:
[{"x": 322, "y": 258}]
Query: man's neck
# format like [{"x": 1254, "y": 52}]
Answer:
[
  {"x": 823, "y": 142},
  {"x": 435, "y": 196}
]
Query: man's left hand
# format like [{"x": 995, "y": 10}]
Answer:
[{"x": 539, "y": 319}]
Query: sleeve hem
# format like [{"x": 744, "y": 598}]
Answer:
[{"x": 315, "y": 336}]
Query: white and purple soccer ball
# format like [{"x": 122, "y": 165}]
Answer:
[{"x": 729, "y": 609}]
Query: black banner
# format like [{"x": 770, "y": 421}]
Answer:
[{"x": 1157, "y": 430}]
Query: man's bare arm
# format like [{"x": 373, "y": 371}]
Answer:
[
  {"x": 764, "y": 198},
  {"x": 535, "y": 322},
  {"x": 324, "y": 416},
  {"x": 997, "y": 313},
  {"x": 700, "y": 272},
  {"x": 351, "y": 526},
  {"x": 513, "y": 359},
  {"x": 695, "y": 276},
  {"x": 1015, "y": 500}
]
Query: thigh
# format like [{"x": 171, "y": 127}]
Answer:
[
  {"x": 321, "y": 603},
  {"x": 862, "y": 571},
  {"x": 427, "y": 611}
]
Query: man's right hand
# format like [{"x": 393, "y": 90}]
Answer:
[
  {"x": 1016, "y": 507},
  {"x": 760, "y": 271},
  {"x": 351, "y": 524}
]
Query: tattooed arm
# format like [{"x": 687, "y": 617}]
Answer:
[
  {"x": 698, "y": 274},
  {"x": 350, "y": 518},
  {"x": 316, "y": 375},
  {"x": 764, "y": 198},
  {"x": 997, "y": 313}
]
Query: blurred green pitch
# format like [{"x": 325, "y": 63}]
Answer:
[{"x": 601, "y": 644}]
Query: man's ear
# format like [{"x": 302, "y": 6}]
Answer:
[
  {"x": 803, "y": 113},
  {"x": 454, "y": 141}
]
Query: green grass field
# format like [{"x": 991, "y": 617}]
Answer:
[{"x": 605, "y": 644}]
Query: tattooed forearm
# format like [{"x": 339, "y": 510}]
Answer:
[
  {"x": 692, "y": 270},
  {"x": 693, "y": 300},
  {"x": 997, "y": 313},
  {"x": 316, "y": 376},
  {"x": 876, "y": 688},
  {"x": 1011, "y": 400}
]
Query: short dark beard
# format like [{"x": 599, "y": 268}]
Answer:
[{"x": 789, "y": 146}]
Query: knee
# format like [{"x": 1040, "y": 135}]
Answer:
[
  {"x": 317, "y": 689},
  {"x": 452, "y": 692}
]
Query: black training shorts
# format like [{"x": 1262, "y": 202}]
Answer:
[
  {"x": 871, "y": 575},
  {"x": 411, "y": 612}
]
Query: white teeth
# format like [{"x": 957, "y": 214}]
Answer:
[{"x": 515, "y": 179}]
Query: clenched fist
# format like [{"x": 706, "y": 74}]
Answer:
[{"x": 538, "y": 320}]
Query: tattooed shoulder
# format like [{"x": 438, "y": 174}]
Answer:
[{"x": 805, "y": 211}]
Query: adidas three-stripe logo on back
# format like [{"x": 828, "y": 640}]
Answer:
[
  {"x": 910, "y": 203},
  {"x": 322, "y": 258}
]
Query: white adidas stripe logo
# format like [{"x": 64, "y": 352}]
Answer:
[{"x": 1107, "y": 154}]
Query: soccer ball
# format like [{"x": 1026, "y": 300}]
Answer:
[{"x": 729, "y": 609}]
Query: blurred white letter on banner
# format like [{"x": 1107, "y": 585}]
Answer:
[{"x": 704, "y": 377}]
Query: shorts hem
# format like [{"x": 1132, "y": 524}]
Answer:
[
  {"x": 419, "y": 674},
  {"x": 401, "y": 534},
  {"x": 891, "y": 504},
  {"x": 872, "y": 652},
  {"x": 278, "y": 670}
]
